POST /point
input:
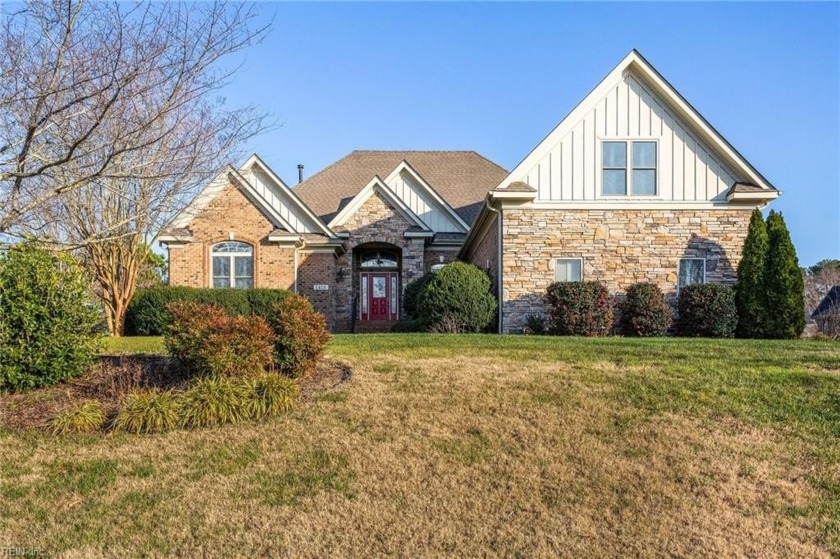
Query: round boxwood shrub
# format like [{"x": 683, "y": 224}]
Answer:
[
  {"x": 458, "y": 297},
  {"x": 707, "y": 310},
  {"x": 47, "y": 321},
  {"x": 411, "y": 295},
  {"x": 644, "y": 311},
  {"x": 579, "y": 308}
]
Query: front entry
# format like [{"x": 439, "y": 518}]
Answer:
[{"x": 379, "y": 293}]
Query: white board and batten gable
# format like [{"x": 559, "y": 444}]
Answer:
[
  {"x": 423, "y": 200},
  {"x": 281, "y": 198},
  {"x": 694, "y": 165},
  {"x": 375, "y": 187}
]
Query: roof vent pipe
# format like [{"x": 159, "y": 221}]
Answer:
[{"x": 300, "y": 173}]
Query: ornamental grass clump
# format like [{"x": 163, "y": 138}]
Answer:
[
  {"x": 148, "y": 411},
  {"x": 268, "y": 394},
  {"x": 211, "y": 401},
  {"x": 88, "y": 417}
]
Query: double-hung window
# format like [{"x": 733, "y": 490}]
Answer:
[
  {"x": 692, "y": 270},
  {"x": 568, "y": 269},
  {"x": 233, "y": 264},
  {"x": 628, "y": 168}
]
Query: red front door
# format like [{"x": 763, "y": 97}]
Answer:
[{"x": 379, "y": 296}]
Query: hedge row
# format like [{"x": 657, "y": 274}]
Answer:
[
  {"x": 586, "y": 309},
  {"x": 147, "y": 314}
]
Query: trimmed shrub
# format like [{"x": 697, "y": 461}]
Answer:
[
  {"x": 206, "y": 341},
  {"x": 147, "y": 315},
  {"x": 411, "y": 295},
  {"x": 457, "y": 298},
  {"x": 750, "y": 295},
  {"x": 87, "y": 417},
  {"x": 148, "y": 412},
  {"x": 707, "y": 310},
  {"x": 301, "y": 335},
  {"x": 268, "y": 394},
  {"x": 644, "y": 311},
  {"x": 579, "y": 308},
  {"x": 784, "y": 286},
  {"x": 211, "y": 401},
  {"x": 47, "y": 321}
]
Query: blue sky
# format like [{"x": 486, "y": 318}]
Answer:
[{"x": 496, "y": 78}]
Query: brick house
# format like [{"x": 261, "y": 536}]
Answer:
[{"x": 632, "y": 185}]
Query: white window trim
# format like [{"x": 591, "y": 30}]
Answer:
[
  {"x": 599, "y": 186},
  {"x": 679, "y": 263},
  {"x": 232, "y": 264},
  {"x": 578, "y": 258}
]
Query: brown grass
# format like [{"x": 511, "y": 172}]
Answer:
[{"x": 438, "y": 456}]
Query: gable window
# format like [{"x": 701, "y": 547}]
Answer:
[
  {"x": 233, "y": 264},
  {"x": 628, "y": 168},
  {"x": 568, "y": 269},
  {"x": 692, "y": 270}
]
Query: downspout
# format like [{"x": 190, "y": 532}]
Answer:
[
  {"x": 499, "y": 290},
  {"x": 296, "y": 268}
]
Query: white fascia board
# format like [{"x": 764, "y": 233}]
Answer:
[
  {"x": 634, "y": 62},
  {"x": 406, "y": 166},
  {"x": 753, "y": 196},
  {"x": 376, "y": 185},
  {"x": 255, "y": 160},
  {"x": 284, "y": 238},
  {"x": 418, "y": 234},
  {"x": 513, "y": 195},
  {"x": 171, "y": 239},
  {"x": 631, "y": 205}
]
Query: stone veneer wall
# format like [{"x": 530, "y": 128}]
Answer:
[
  {"x": 231, "y": 211},
  {"x": 376, "y": 221},
  {"x": 618, "y": 247}
]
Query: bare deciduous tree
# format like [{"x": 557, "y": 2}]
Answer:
[
  {"x": 111, "y": 123},
  {"x": 87, "y": 87}
]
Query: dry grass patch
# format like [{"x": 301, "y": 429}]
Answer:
[{"x": 470, "y": 446}]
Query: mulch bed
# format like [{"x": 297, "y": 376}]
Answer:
[{"x": 113, "y": 376}]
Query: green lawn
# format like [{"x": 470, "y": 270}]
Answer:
[
  {"x": 132, "y": 345},
  {"x": 470, "y": 445}
]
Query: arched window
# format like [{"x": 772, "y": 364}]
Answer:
[
  {"x": 233, "y": 264},
  {"x": 379, "y": 259}
]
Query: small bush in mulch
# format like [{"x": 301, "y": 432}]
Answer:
[
  {"x": 301, "y": 336},
  {"x": 206, "y": 341}
]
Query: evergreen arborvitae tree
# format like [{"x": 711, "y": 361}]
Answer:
[
  {"x": 783, "y": 283},
  {"x": 750, "y": 291}
]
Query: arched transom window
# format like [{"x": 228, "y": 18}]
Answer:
[
  {"x": 379, "y": 259},
  {"x": 233, "y": 264}
]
